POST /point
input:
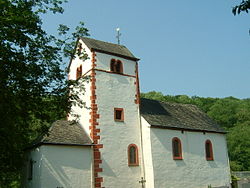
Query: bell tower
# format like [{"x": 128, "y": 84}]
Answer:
[{"x": 111, "y": 115}]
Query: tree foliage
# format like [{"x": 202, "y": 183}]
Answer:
[
  {"x": 239, "y": 146},
  {"x": 33, "y": 88},
  {"x": 231, "y": 113},
  {"x": 244, "y": 6}
]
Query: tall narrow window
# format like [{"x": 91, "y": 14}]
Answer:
[
  {"x": 176, "y": 147},
  {"x": 79, "y": 72},
  {"x": 116, "y": 66},
  {"x": 133, "y": 155},
  {"x": 118, "y": 114},
  {"x": 30, "y": 173},
  {"x": 112, "y": 65},
  {"x": 209, "y": 150}
]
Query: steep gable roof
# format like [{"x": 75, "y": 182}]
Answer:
[
  {"x": 64, "y": 132},
  {"x": 177, "y": 116},
  {"x": 110, "y": 48}
]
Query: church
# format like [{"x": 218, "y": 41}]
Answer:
[{"x": 121, "y": 140}]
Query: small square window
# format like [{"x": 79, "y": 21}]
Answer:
[{"x": 118, "y": 114}]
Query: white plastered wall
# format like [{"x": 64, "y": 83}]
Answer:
[
  {"x": 82, "y": 111},
  {"x": 148, "y": 161},
  {"x": 117, "y": 91},
  {"x": 59, "y": 166},
  {"x": 76, "y": 62},
  {"x": 103, "y": 63},
  {"x": 36, "y": 156},
  {"x": 194, "y": 171},
  {"x": 66, "y": 166}
]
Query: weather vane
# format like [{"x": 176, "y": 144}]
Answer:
[{"x": 118, "y": 35}]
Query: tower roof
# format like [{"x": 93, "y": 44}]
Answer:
[
  {"x": 177, "y": 116},
  {"x": 109, "y": 48}
]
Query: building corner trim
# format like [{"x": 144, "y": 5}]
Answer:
[{"x": 94, "y": 131}]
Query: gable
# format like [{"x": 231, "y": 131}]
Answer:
[{"x": 177, "y": 116}]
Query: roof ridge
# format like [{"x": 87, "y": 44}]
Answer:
[
  {"x": 103, "y": 41},
  {"x": 171, "y": 102}
]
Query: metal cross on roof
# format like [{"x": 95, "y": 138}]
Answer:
[
  {"x": 142, "y": 181},
  {"x": 118, "y": 35}
]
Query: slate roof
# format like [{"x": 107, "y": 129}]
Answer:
[
  {"x": 177, "y": 116},
  {"x": 64, "y": 132},
  {"x": 107, "y": 47}
]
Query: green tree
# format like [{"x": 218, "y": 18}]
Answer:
[
  {"x": 243, "y": 112},
  {"x": 224, "y": 111},
  {"x": 244, "y": 6},
  {"x": 204, "y": 103},
  {"x": 239, "y": 146},
  {"x": 33, "y": 90},
  {"x": 153, "y": 95}
]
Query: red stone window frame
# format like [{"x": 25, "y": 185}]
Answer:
[
  {"x": 118, "y": 114},
  {"x": 209, "y": 150},
  {"x": 116, "y": 66},
  {"x": 133, "y": 159},
  {"x": 79, "y": 72},
  {"x": 176, "y": 149}
]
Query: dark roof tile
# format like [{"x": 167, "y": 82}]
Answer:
[
  {"x": 107, "y": 47},
  {"x": 177, "y": 116},
  {"x": 64, "y": 132}
]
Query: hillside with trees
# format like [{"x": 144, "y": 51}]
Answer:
[{"x": 231, "y": 113}]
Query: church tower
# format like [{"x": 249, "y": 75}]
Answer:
[{"x": 111, "y": 112}]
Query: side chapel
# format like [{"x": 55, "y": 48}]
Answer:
[{"x": 122, "y": 140}]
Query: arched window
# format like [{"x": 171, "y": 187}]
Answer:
[
  {"x": 176, "y": 147},
  {"x": 119, "y": 66},
  {"x": 133, "y": 155},
  {"x": 116, "y": 66},
  {"x": 79, "y": 72},
  {"x": 112, "y": 65},
  {"x": 209, "y": 150}
]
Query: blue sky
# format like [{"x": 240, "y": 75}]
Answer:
[{"x": 194, "y": 48}]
